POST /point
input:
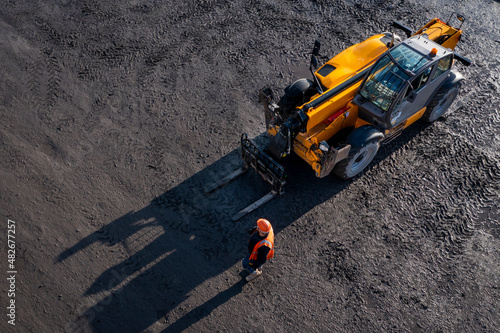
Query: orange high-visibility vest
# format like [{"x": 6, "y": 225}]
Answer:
[{"x": 269, "y": 242}]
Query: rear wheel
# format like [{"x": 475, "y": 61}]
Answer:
[
  {"x": 296, "y": 94},
  {"x": 440, "y": 103},
  {"x": 359, "y": 158}
]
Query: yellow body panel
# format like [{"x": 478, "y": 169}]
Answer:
[
  {"x": 415, "y": 117},
  {"x": 436, "y": 28},
  {"x": 306, "y": 144},
  {"x": 319, "y": 114},
  {"x": 347, "y": 63},
  {"x": 352, "y": 59}
]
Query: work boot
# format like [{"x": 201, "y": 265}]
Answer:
[{"x": 255, "y": 274}]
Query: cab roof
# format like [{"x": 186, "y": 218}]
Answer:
[{"x": 424, "y": 45}]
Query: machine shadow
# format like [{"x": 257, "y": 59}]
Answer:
[{"x": 185, "y": 237}]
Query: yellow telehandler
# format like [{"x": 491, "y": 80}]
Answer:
[{"x": 363, "y": 97}]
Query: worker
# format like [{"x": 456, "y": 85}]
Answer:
[{"x": 260, "y": 248}]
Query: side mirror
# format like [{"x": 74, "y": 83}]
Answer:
[
  {"x": 314, "y": 62},
  {"x": 458, "y": 17},
  {"x": 412, "y": 95}
]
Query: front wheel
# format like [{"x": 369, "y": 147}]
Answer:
[
  {"x": 359, "y": 158},
  {"x": 440, "y": 103}
]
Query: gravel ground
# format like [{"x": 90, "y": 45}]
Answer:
[{"x": 115, "y": 115}]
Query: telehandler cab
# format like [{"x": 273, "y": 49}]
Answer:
[{"x": 363, "y": 97}]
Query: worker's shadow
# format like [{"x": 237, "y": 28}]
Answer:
[{"x": 185, "y": 237}]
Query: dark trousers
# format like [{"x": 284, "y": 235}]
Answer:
[{"x": 246, "y": 263}]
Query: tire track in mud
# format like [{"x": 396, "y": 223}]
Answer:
[
  {"x": 152, "y": 46},
  {"x": 455, "y": 183},
  {"x": 60, "y": 38},
  {"x": 336, "y": 259},
  {"x": 477, "y": 117},
  {"x": 96, "y": 10},
  {"x": 435, "y": 189},
  {"x": 44, "y": 85},
  {"x": 118, "y": 54}
]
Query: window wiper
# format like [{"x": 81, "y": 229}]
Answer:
[
  {"x": 423, "y": 57},
  {"x": 406, "y": 71}
]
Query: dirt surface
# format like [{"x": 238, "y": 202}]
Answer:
[{"x": 115, "y": 115}]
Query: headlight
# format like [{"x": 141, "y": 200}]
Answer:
[{"x": 323, "y": 146}]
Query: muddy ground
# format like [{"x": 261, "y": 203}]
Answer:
[{"x": 114, "y": 116}]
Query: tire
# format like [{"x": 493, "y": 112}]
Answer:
[
  {"x": 359, "y": 158},
  {"x": 441, "y": 103}
]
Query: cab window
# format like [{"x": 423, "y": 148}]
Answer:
[
  {"x": 442, "y": 66},
  {"x": 420, "y": 81}
]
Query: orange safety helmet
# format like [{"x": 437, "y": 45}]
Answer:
[{"x": 264, "y": 226}]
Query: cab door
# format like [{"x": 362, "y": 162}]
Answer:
[
  {"x": 411, "y": 103},
  {"x": 424, "y": 85}
]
